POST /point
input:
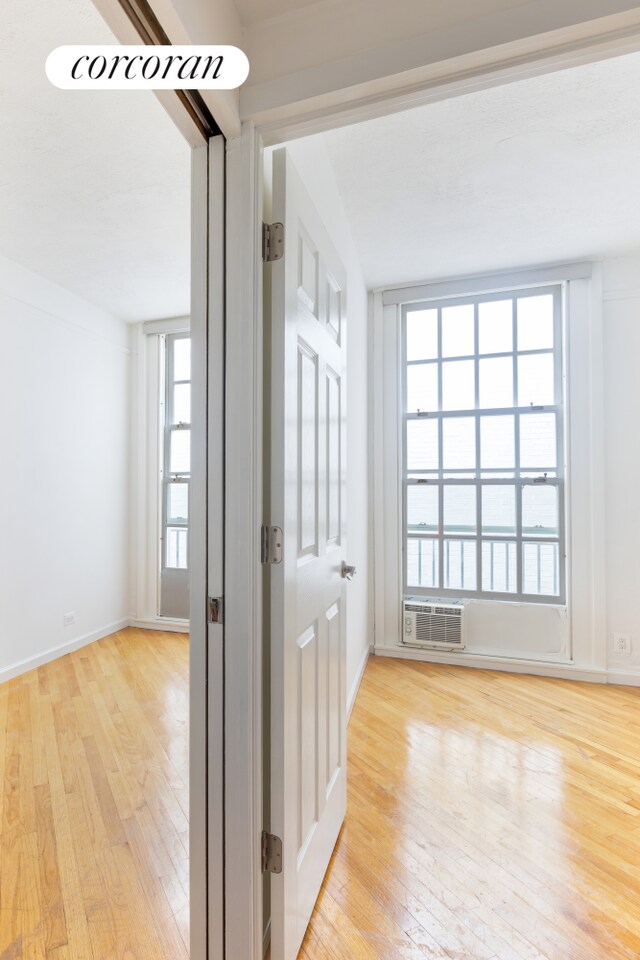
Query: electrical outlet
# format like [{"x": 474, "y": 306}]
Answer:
[
  {"x": 622, "y": 642},
  {"x": 68, "y": 618}
]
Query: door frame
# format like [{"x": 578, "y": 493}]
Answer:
[
  {"x": 239, "y": 730},
  {"x": 131, "y": 22},
  {"x": 245, "y": 211},
  {"x": 243, "y": 567}
]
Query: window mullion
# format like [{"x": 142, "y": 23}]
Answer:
[
  {"x": 440, "y": 460},
  {"x": 476, "y": 367},
  {"x": 516, "y": 436}
]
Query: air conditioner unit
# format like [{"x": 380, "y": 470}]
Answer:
[{"x": 434, "y": 624}]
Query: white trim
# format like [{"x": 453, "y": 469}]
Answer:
[
  {"x": 536, "y": 668},
  {"x": 216, "y": 526},
  {"x": 243, "y": 570},
  {"x": 145, "y": 459},
  {"x": 355, "y": 686},
  {"x": 378, "y": 448},
  {"x": 486, "y": 283},
  {"x": 164, "y": 625},
  {"x": 561, "y": 671},
  {"x": 340, "y": 93},
  {"x": 624, "y": 678},
  {"x": 171, "y": 325},
  {"x": 53, "y": 653},
  {"x": 200, "y": 724}
]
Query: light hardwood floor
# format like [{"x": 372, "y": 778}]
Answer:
[
  {"x": 93, "y": 811},
  {"x": 490, "y": 817}
]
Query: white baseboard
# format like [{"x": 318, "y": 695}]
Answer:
[
  {"x": 23, "y": 666},
  {"x": 536, "y": 668},
  {"x": 161, "y": 623},
  {"x": 626, "y": 678},
  {"x": 355, "y": 686}
]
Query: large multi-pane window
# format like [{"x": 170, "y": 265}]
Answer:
[
  {"x": 483, "y": 502},
  {"x": 177, "y": 450}
]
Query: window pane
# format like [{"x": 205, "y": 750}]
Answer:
[
  {"x": 458, "y": 443},
  {"x": 422, "y": 387},
  {"x": 180, "y": 457},
  {"x": 182, "y": 359},
  {"x": 537, "y": 440},
  {"x": 422, "y": 509},
  {"x": 460, "y": 565},
  {"x": 496, "y": 382},
  {"x": 182, "y": 403},
  {"x": 458, "y": 337},
  {"x": 422, "y": 334},
  {"x": 422, "y": 444},
  {"x": 540, "y": 511},
  {"x": 540, "y": 568},
  {"x": 459, "y": 507},
  {"x": 499, "y": 510},
  {"x": 178, "y": 505},
  {"x": 422, "y": 563},
  {"x": 458, "y": 385},
  {"x": 495, "y": 326},
  {"x": 176, "y": 556},
  {"x": 535, "y": 322},
  {"x": 497, "y": 444},
  {"x": 535, "y": 380},
  {"x": 499, "y": 567}
]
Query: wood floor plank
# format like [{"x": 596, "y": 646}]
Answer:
[
  {"x": 93, "y": 801},
  {"x": 490, "y": 817},
  {"x": 499, "y": 812}
]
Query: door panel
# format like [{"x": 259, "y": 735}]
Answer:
[{"x": 308, "y": 788}]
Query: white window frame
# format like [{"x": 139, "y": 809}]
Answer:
[
  {"x": 170, "y": 425},
  {"x": 582, "y": 619},
  {"x": 474, "y": 474},
  {"x": 147, "y": 422}
]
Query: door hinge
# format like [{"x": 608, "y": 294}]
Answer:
[
  {"x": 272, "y": 242},
  {"x": 271, "y": 547},
  {"x": 215, "y": 610},
  {"x": 271, "y": 853}
]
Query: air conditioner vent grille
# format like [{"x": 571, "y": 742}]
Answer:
[{"x": 433, "y": 624}]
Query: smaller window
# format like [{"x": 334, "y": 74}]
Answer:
[{"x": 177, "y": 451}]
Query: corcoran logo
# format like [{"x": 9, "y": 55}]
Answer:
[{"x": 147, "y": 67}]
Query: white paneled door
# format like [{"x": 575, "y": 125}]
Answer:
[{"x": 308, "y": 588}]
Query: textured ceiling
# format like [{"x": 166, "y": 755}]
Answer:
[
  {"x": 539, "y": 171},
  {"x": 94, "y": 187}
]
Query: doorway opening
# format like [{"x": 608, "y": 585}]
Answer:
[
  {"x": 98, "y": 680},
  {"x": 478, "y": 373}
]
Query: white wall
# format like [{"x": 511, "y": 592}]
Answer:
[
  {"x": 312, "y": 163},
  {"x": 621, "y": 320},
  {"x": 64, "y": 483}
]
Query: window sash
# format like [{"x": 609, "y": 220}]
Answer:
[
  {"x": 518, "y": 476},
  {"x": 170, "y": 477}
]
